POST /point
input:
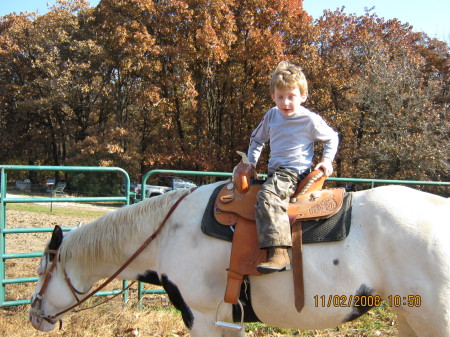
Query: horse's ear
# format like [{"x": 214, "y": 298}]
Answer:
[{"x": 56, "y": 239}]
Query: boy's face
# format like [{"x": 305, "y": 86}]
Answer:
[{"x": 288, "y": 100}]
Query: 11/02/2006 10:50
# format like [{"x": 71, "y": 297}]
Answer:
[{"x": 366, "y": 301}]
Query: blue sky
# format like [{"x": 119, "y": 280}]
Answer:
[{"x": 431, "y": 16}]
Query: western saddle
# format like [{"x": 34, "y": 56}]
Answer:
[{"x": 235, "y": 206}]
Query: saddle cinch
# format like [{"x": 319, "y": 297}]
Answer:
[{"x": 235, "y": 206}]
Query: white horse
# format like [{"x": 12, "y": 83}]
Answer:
[{"x": 398, "y": 250}]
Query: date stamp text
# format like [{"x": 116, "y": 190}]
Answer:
[{"x": 366, "y": 301}]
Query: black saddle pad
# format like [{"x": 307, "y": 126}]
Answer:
[{"x": 335, "y": 228}]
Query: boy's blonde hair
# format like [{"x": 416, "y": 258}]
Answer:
[{"x": 288, "y": 75}]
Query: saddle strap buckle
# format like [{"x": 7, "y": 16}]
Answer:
[{"x": 230, "y": 325}]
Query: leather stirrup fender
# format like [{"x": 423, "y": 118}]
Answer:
[{"x": 245, "y": 256}]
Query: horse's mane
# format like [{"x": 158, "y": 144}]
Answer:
[{"x": 105, "y": 239}]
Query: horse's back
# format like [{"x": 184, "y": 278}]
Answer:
[
  {"x": 405, "y": 213},
  {"x": 409, "y": 203}
]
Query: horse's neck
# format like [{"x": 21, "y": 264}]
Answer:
[{"x": 103, "y": 246}]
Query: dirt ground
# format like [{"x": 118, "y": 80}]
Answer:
[{"x": 35, "y": 242}]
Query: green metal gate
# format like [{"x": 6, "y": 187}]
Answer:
[{"x": 5, "y": 231}]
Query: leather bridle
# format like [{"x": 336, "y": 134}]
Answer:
[
  {"x": 37, "y": 302},
  {"x": 36, "y": 305}
]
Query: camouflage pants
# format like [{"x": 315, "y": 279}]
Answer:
[{"x": 272, "y": 222}]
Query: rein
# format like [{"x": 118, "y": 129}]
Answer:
[{"x": 38, "y": 299}]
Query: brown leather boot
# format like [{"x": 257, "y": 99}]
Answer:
[{"x": 277, "y": 260}]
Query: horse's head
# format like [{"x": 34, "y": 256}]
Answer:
[{"x": 54, "y": 291}]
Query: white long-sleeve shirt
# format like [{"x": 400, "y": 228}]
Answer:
[{"x": 292, "y": 139}]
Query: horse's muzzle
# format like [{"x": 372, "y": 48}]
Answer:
[
  {"x": 37, "y": 318},
  {"x": 39, "y": 323}
]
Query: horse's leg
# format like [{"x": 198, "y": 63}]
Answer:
[
  {"x": 404, "y": 330},
  {"x": 418, "y": 326},
  {"x": 204, "y": 326}
]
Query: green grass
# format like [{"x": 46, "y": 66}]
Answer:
[
  {"x": 55, "y": 210},
  {"x": 379, "y": 321}
]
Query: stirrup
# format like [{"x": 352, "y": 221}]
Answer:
[
  {"x": 228, "y": 325},
  {"x": 265, "y": 271}
]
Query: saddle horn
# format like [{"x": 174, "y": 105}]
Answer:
[{"x": 242, "y": 173}]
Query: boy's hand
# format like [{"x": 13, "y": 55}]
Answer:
[
  {"x": 255, "y": 174},
  {"x": 326, "y": 165}
]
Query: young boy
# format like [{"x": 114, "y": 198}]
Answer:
[{"x": 292, "y": 130}]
